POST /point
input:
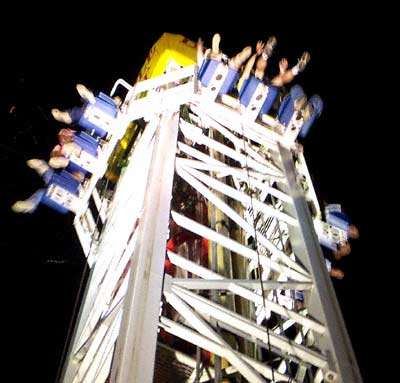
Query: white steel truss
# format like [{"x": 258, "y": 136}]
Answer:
[{"x": 246, "y": 279}]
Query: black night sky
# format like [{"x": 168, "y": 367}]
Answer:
[{"x": 43, "y": 261}]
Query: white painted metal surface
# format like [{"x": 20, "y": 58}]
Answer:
[{"x": 252, "y": 180}]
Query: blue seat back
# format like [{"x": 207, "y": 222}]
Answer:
[
  {"x": 87, "y": 142},
  {"x": 335, "y": 217},
  {"x": 207, "y": 72},
  {"x": 247, "y": 92},
  {"x": 99, "y": 116},
  {"x": 73, "y": 167},
  {"x": 66, "y": 181},
  {"x": 286, "y": 108},
  {"x": 317, "y": 106}
]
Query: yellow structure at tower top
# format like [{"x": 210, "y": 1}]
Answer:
[{"x": 170, "y": 51}]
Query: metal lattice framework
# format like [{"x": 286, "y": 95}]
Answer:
[{"x": 246, "y": 279}]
